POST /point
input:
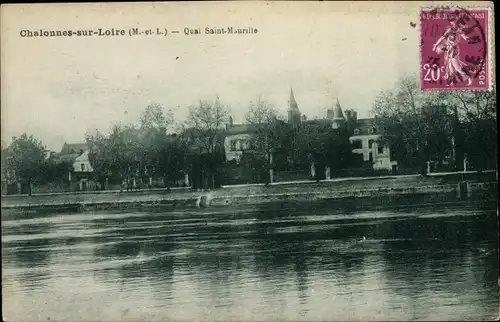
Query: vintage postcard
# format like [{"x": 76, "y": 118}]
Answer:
[{"x": 249, "y": 161}]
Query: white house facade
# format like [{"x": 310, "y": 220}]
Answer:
[
  {"x": 365, "y": 141},
  {"x": 82, "y": 163},
  {"x": 237, "y": 139},
  {"x": 235, "y": 144}
]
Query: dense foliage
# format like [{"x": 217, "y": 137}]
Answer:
[{"x": 421, "y": 127}]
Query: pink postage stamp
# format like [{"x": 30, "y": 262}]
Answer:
[{"x": 454, "y": 46}]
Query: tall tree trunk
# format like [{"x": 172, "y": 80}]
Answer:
[{"x": 421, "y": 153}]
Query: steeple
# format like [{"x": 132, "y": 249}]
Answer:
[
  {"x": 292, "y": 104},
  {"x": 338, "y": 116},
  {"x": 294, "y": 116},
  {"x": 337, "y": 111}
]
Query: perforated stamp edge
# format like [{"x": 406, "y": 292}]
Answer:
[{"x": 490, "y": 61}]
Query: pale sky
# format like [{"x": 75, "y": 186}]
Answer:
[{"x": 59, "y": 88}]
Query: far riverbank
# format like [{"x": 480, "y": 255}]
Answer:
[{"x": 257, "y": 194}]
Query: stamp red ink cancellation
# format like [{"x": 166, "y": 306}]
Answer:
[{"x": 454, "y": 49}]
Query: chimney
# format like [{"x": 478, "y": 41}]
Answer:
[
  {"x": 329, "y": 114},
  {"x": 351, "y": 115},
  {"x": 348, "y": 114}
]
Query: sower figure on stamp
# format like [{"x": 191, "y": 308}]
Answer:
[{"x": 448, "y": 44}]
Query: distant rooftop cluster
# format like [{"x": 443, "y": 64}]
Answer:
[{"x": 334, "y": 116}]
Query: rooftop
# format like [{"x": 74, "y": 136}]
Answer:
[
  {"x": 366, "y": 126},
  {"x": 74, "y": 148},
  {"x": 239, "y": 129}
]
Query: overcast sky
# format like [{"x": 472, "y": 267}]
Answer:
[{"x": 59, "y": 88}]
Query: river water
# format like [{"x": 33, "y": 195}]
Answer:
[{"x": 421, "y": 260}]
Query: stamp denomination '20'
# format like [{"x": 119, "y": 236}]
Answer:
[{"x": 454, "y": 49}]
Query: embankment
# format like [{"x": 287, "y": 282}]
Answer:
[{"x": 258, "y": 194}]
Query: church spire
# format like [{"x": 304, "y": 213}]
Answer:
[
  {"x": 337, "y": 111},
  {"x": 292, "y": 104},
  {"x": 338, "y": 116},
  {"x": 294, "y": 116}
]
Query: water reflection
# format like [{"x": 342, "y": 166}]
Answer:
[{"x": 294, "y": 261}]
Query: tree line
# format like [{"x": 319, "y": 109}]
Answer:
[
  {"x": 422, "y": 126},
  {"x": 418, "y": 127}
]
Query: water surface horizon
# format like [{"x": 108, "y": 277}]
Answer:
[{"x": 422, "y": 260}]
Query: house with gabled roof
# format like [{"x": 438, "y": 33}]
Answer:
[
  {"x": 74, "y": 148},
  {"x": 78, "y": 155}
]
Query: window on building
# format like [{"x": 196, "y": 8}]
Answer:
[
  {"x": 370, "y": 143},
  {"x": 380, "y": 149},
  {"x": 82, "y": 166},
  {"x": 356, "y": 144},
  {"x": 356, "y": 131},
  {"x": 233, "y": 145},
  {"x": 243, "y": 145}
]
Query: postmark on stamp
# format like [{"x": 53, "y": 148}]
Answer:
[{"x": 454, "y": 51}]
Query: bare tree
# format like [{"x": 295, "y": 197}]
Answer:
[
  {"x": 154, "y": 117},
  {"x": 264, "y": 120},
  {"x": 475, "y": 126},
  {"x": 154, "y": 124},
  {"x": 425, "y": 125},
  {"x": 471, "y": 105},
  {"x": 204, "y": 127},
  {"x": 403, "y": 114}
]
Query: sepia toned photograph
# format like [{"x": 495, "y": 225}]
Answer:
[{"x": 249, "y": 161}]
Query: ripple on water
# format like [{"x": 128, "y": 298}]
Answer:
[{"x": 244, "y": 265}]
